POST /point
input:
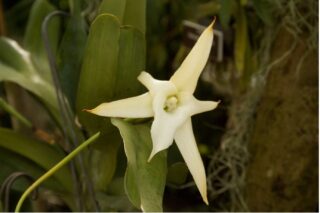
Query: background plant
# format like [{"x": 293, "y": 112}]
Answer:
[{"x": 38, "y": 129}]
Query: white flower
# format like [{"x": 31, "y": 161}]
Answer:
[{"x": 172, "y": 104}]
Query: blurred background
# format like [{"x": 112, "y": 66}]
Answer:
[{"x": 260, "y": 146}]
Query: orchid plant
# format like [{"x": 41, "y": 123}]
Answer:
[{"x": 172, "y": 104}]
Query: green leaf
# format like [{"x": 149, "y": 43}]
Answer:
[
  {"x": 226, "y": 11},
  {"x": 16, "y": 66},
  {"x": 264, "y": 9},
  {"x": 44, "y": 155},
  {"x": 33, "y": 40},
  {"x": 128, "y": 12},
  {"x": 113, "y": 59},
  {"x": 76, "y": 6},
  {"x": 115, "y": 203},
  {"x": 99, "y": 69},
  {"x": 144, "y": 182},
  {"x": 241, "y": 33},
  {"x": 104, "y": 158},
  {"x": 177, "y": 173},
  {"x": 70, "y": 56},
  {"x": 113, "y": 7}
]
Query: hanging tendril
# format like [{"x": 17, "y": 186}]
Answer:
[{"x": 7, "y": 186}]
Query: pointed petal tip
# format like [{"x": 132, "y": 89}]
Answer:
[
  {"x": 212, "y": 23},
  {"x": 215, "y": 104},
  {"x": 151, "y": 156},
  {"x": 93, "y": 111},
  {"x": 205, "y": 200},
  {"x": 87, "y": 110}
]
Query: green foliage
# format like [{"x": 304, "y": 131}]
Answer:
[
  {"x": 144, "y": 181},
  {"x": 70, "y": 55},
  {"x": 177, "y": 173},
  {"x": 103, "y": 66},
  {"x": 226, "y": 11},
  {"x": 111, "y": 78},
  {"x": 33, "y": 41},
  {"x": 16, "y": 66},
  {"x": 44, "y": 155},
  {"x": 264, "y": 9},
  {"x": 128, "y": 12}
]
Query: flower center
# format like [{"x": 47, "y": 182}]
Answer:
[{"x": 171, "y": 103}]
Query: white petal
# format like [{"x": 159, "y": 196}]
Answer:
[
  {"x": 187, "y": 75},
  {"x": 194, "y": 106},
  {"x": 156, "y": 86},
  {"x": 134, "y": 107},
  {"x": 164, "y": 125},
  {"x": 186, "y": 143},
  {"x": 147, "y": 80}
]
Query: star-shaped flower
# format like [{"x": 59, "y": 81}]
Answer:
[{"x": 172, "y": 104}]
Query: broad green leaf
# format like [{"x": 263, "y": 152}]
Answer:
[
  {"x": 23, "y": 73},
  {"x": 44, "y": 155},
  {"x": 128, "y": 12},
  {"x": 96, "y": 85},
  {"x": 130, "y": 63},
  {"x": 144, "y": 182},
  {"x": 113, "y": 59},
  {"x": 99, "y": 69},
  {"x": 33, "y": 40},
  {"x": 240, "y": 40},
  {"x": 113, "y": 7},
  {"x": 104, "y": 158},
  {"x": 70, "y": 56}
]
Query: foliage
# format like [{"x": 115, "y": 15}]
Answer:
[{"x": 98, "y": 48}]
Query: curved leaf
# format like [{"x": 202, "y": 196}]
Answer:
[
  {"x": 45, "y": 155},
  {"x": 71, "y": 54},
  {"x": 144, "y": 182},
  {"x": 128, "y": 12},
  {"x": 23, "y": 73},
  {"x": 33, "y": 40},
  {"x": 114, "y": 57}
]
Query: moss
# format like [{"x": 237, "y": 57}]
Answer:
[{"x": 283, "y": 170}]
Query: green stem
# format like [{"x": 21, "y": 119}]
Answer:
[{"x": 54, "y": 169}]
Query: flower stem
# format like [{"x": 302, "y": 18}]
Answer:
[{"x": 54, "y": 169}]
